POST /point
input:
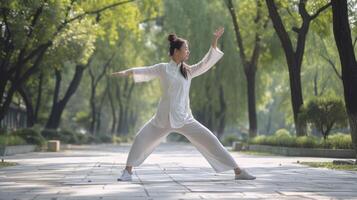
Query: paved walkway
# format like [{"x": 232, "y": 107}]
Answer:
[{"x": 173, "y": 171}]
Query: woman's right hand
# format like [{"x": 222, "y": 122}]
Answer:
[{"x": 123, "y": 73}]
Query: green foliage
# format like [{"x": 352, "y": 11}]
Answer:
[
  {"x": 65, "y": 136},
  {"x": 10, "y": 140},
  {"x": 105, "y": 138},
  {"x": 324, "y": 113},
  {"x": 307, "y": 141},
  {"x": 229, "y": 139},
  {"x": 93, "y": 140},
  {"x": 31, "y": 136},
  {"x": 331, "y": 165},
  {"x": 336, "y": 141}
]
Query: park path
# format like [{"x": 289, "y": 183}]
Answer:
[{"x": 173, "y": 171}]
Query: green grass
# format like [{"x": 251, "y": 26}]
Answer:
[
  {"x": 7, "y": 164},
  {"x": 330, "y": 165},
  {"x": 258, "y": 153}
]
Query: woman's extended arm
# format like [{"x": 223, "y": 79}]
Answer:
[
  {"x": 123, "y": 73},
  {"x": 217, "y": 34},
  {"x": 211, "y": 58},
  {"x": 141, "y": 74}
]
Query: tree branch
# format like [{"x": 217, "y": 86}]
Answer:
[
  {"x": 230, "y": 7},
  {"x": 332, "y": 65},
  {"x": 279, "y": 27},
  {"x": 104, "y": 69},
  {"x": 312, "y": 17},
  {"x": 97, "y": 11}
]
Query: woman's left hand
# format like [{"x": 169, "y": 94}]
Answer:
[{"x": 219, "y": 32}]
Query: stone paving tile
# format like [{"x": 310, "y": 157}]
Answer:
[{"x": 173, "y": 171}]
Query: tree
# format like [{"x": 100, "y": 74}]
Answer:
[
  {"x": 344, "y": 43},
  {"x": 37, "y": 25},
  {"x": 95, "y": 79},
  {"x": 294, "y": 56},
  {"x": 250, "y": 64},
  {"x": 324, "y": 113}
]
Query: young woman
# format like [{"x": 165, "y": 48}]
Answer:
[{"x": 174, "y": 113}]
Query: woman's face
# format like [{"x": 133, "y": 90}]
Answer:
[{"x": 184, "y": 52}]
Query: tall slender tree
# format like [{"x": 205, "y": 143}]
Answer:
[
  {"x": 344, "y": 43},
  {"x": 250, "y": 64},
  {"x": 294, "y": 56}
]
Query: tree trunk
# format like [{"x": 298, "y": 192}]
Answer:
[
  {"x": 30, "y": 115},
  {"x": 39, "y": 96},
  {"x": 112, "y": 108},
  {"x": 252, "y": 113},
  {"x": 58, "y": 106},
  {"x": 222, "y": 113},
  {"x": 293, "y": 57},
  {"x": 93, "y": 109},
  {"x": 250, "y": 65},
  {"x": 343, "y": 39}
]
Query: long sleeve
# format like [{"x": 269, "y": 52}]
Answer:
[
  {"x": 211, "y": 58},
  {"x": 142, "y": 74}
]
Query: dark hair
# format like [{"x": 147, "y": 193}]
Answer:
[{"x": 176, "y": 43}]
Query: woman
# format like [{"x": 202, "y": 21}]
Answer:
[{"x": 174, "y": 113}]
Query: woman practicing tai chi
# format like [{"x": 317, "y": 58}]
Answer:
[{"x": 174, "y": 113}]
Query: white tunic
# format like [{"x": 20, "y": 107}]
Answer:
[{"x": 174, "y": 106}]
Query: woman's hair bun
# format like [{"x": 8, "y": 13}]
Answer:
[{"x": 172, "y": 37}]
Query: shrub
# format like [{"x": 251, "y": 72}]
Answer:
[
  {"x": 51, "y": 134},
  {"x": 68, "y": 137},
  {"x": 229, "y": 139},
  {"x": 338, "y": 141},
  {"x": 9, "y": 140},
  {"x": 105, "y": 138},
  {"x": 3, "y": 131},
  {"x": 31, "y": 136},
  {"x": 307, "y": 141},
  {"x": 65, "y": 136},
  {"x": 93, "y": 140},
  {"x": 324, "y": 113},
  {"x": 116, "y": 139},
  {"x": 82, "y": 138},
  {"x": 282, "y": 137},
  {"x": 260, "y": 139}
]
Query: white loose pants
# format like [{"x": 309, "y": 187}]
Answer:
[{"x": 150, "y": 136}]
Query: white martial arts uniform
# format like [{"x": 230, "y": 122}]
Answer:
[{"x": 174, "y": 114}]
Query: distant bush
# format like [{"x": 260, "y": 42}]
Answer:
[
  {"x": 336, "y": 141},
  {"x": 3, "y": 131},
  {"x": 10, "y": 140},
  {"x": 116, "y": 139},
  {"x": 324, "y": 113},
  {"x": 66, "y": 136},
  {"x": 69, "y": 137},
  {"x": 105, "y": 138},
  {"x": 229, "y": 139},
  {"x": 51, "y": 134},
  {"x": 307, "y": 142},
  {"x": 31, "y": 136},
  {"x": 93, "y": 140}
]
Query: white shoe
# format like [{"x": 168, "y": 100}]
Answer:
[
  {"x": 244, "y": 175},
  {"x": 126, "y": 176}
]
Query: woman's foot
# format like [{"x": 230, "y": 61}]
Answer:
[
  {"x": 126, "y": 176},
  {"x": 241, "y": 174}
]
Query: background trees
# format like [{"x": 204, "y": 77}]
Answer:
[{"x": 56, "y": 57}]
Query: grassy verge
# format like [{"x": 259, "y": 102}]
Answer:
[
  {"x": 258, "y": 153},
  {"x": 330, "y": 165},
  {"x": 7, "y": 164}
]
